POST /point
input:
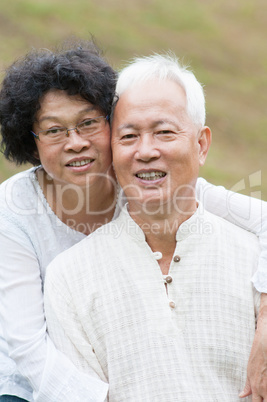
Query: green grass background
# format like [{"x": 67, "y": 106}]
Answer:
[{"x": 225, "y": 43}]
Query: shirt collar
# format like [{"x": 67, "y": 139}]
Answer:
[{"x": 191, "y": 226}]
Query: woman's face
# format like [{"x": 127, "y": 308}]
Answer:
[{"x": 77, "y": 160}]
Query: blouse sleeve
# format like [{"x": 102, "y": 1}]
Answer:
[
  {"x": 51, "y": 374},
  {"x": 247, "y": 212}
]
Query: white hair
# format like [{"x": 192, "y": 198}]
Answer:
[{"x": 165, "y": 67}]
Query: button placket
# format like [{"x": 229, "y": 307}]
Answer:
[
  {"x": 169, "y": 281},
  {"x": 172, "y": 304},
  {"x": 157, "y": 255}
]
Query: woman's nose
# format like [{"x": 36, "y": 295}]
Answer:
[{"x": 75, "y": 141}]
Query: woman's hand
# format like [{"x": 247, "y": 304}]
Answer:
[{"x": 256, "y": 383}]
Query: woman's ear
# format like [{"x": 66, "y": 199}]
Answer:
[
  {"x": 36, "y": 154},
  {"x": 204, "y": 141}
]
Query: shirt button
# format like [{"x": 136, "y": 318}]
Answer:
[
  {"x": 157, "y": 255},
  {"x": 168, "y": 279},
  {"x": 176, "y": 258},
  {"x": 172, "y": 304}
]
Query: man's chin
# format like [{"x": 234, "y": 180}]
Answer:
[{"x": 150, "y": 206}]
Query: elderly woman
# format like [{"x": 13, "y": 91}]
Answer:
[{"x": 54, "y": 111}]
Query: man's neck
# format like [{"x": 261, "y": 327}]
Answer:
[{"x": 160, "y": 228}]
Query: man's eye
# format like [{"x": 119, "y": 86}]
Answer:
[
  {"x": 128, "y": 137},
  {"x": 165, "y": 135},
  {"x": 164, "y": 132}
]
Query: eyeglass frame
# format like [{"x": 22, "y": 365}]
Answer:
[{"x": 70, "y": 129}]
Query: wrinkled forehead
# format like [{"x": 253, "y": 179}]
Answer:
[{"x": 152, "y": 98}]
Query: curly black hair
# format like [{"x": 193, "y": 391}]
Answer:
[{"x": 78, "y": 68}]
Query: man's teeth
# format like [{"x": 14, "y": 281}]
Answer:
[
  {"x": 80, "y": 163},
  {"x": 151, "y": 175}
]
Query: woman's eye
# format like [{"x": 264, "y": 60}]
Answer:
[
  {"x": 90, "y": 124},
  {"x": 87, "y": 123},
  {"x": 54, "y": 131}
]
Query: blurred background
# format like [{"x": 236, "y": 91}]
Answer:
[{"x": 224, "y": 42}]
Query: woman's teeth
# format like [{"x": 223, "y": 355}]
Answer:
[
  {"x": 81, "y": 163},
  {"x": 151, "y": 175}
]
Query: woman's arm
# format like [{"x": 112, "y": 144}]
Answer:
[
  {"x": 256, "y": 383},
  {"x": 247, "y": 212},
  {"x": 251, "y": 214},
  {"x": 52, "y": 375}
]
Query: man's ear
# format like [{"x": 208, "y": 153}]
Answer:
[{"x": 204, "y": 141}]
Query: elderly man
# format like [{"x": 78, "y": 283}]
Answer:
[{"x": 159, "y": 302}]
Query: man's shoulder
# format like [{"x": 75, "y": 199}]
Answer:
[
  {"x": 88, "y": 253},
  {"x": 64, "y": 265},
  {"x": 224, "y": 228}
]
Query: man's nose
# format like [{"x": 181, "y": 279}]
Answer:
[{"x": 146, "y": 148}]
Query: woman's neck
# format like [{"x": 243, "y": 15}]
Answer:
[{"x": 82, "y": 208}]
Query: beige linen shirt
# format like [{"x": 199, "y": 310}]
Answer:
[{"x": 107, "y": 308}]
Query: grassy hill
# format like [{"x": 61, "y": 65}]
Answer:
[{"x": 223, "y": 41}]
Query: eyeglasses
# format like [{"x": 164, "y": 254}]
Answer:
[{"x": 85, "y": 129}]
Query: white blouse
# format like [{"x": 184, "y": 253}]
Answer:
[{"x": 31, "y": 236}]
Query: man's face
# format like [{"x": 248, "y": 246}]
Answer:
[{"x": 157, "y": 150}]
